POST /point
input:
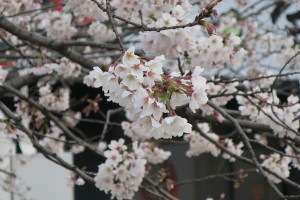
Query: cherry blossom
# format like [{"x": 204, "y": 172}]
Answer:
[
  {"x": 100, "y": 32},
  {"x": 163, "y": 71},
  {"x": 277, "y": 164},
  {"x": 199, "y": 145},
  {"x": 153, "y": 154},
  {"x": 86, "y": 9},
  {"x": 150, "y": 100},
  {"x": 123, "y": 171},
  {"x": 53, "y": 101}
]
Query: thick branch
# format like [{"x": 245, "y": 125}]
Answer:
[
  {"x": 51, "y": 117},
  {"x": 39, "y": 40}
]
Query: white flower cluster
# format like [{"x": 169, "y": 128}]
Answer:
[
  {"x": 153, "y": 154},
  {"x": 264, "y": 46},
  {"x": 28, "y": 117},
  {"x": 167, "y": 42},
  {"x": 72, "y": 118},
  {"x": 219, "y": 89},
  {"x": 293, "y": 152},
  {"x": 128, "y": 9},
  {"x": 13, "y": 184},
  {"x": 203, "y": 51},
  {"x": 100, "y": 32},
  {"x": 255, "y": 72},
  {"x": 9, "y": 129},
  {"x": 230, "y": 25},
  {"x": 277, "y": 164},
  {"x": 12, "y": 7},
  {"x": 3, "y": 74},
  {"x": 154, "y": 11},
  {"x": 149, "y": 96},
  {"x": 7, "y": 125},
  {"x": 54, "y": 140},
  {"x": 274, "y": 43},
  {"x": 199, "y": 145},
  {"x": 261, "y": 139},
  {"x": 73, "y": 179},
  {"x": 9, "y": 7},
  {"x": 282, "y": 48},
  {"x": 134, "y": 131},
  {"x": 280, "y": 119},
  {"x": 77, "y": 148},
  {"x": 122, "y": 172},
  {"x": 215, "y": 51},
  {"x": 149, "y": 9},
  {"x": 60, "y": 26},
  {"x": 101, "y": 146},
  {"x": 235, "y": 149},
  {"x": 58, "y": 101},
  {"x": 286, "y": 54},
  {"x": 65, "y": 68},
  {"x": 86, "y": 9}
]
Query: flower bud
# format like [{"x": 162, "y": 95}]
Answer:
[
  {"x": 215, "y": 13},
  {"x": 211, "y": 29}
]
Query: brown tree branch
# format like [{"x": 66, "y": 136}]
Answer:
[
  {"x": 40, "y": 40},
  {"x": 46, "y": 152},
  {"x": 248, "y": 145}
]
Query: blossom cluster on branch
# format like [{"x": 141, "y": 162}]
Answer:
[
  {"x": 149, "y": 97},
  {"x": 183, "y": 72}
]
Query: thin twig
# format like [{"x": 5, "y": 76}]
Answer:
[
  {"x": 248, "y": 145},
  {"x": 113, "y": 23}
]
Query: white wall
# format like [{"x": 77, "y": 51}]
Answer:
[
  {"x": 47, "y": 180},
  {"x": 6, "y": 150}
]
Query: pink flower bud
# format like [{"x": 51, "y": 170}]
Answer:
[
  {"x": 222, "y": 196},
  {"x": 203, "y": 10},
  {"x": 262, "y": 156},
  {"x": 170, "y": 184},
  {"x": 219, "y": 116},
  {"x": 80, "y": 181},
  {"x": 211, "y": 29},
  {"x": 215, "y": 13}
]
